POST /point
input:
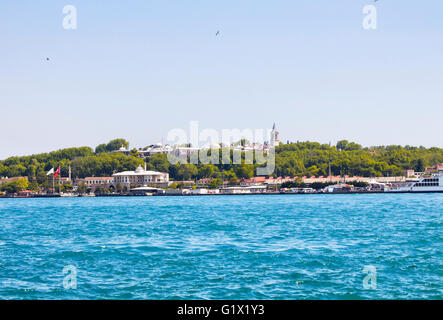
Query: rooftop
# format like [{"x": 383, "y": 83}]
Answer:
[{"x": 138, "y": 172}]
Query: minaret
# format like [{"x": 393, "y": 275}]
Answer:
[
  {"x": 69, "y": 172},
  {"x": 274, "y": 137}
]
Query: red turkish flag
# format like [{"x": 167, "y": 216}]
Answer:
[{"x": 56, "y": 173}]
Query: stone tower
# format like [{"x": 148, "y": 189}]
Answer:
[{"x": 274, "y": 137}]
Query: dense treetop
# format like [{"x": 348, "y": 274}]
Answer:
[{"x": 112, "y": 145}]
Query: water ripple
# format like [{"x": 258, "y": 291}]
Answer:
[{"x": 223, "y": 247}]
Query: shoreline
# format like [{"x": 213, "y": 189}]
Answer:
[{"x": 208, "y": 195}]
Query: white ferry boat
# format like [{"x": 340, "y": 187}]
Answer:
[{"x": 426, "y": 183}]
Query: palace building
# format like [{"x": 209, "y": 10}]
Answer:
[{"x": 141, "y": 177}]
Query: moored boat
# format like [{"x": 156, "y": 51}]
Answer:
[{"x": 427, "y": 183}]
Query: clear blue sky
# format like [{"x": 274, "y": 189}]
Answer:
[{"x": 137, "y": 69}]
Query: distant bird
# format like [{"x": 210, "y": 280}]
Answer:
[
  {"x": 47, "y": 59},
  {"x": 218, "y": 32}
]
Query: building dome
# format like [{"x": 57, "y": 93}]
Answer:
[{"x": 139, "y": 169}]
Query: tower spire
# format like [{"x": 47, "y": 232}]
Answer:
[{"x": 274, "y": 136}]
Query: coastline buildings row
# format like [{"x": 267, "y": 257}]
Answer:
[
  {"x": 143, "y": 178},
  {"x": 140, "y": 178},
  {"x": 144, "y": 182}
]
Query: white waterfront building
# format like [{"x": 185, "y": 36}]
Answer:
[{"x": 141, "y": 177}]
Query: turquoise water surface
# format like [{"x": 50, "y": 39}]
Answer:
[{"x": 223, "y": 247}]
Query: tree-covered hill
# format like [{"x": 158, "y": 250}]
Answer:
[
  {"x": 291, "y": 159},
  {"x": 313, "y": 159},
  {"x": 38, "y": 164},
  {"x": 84, "y": 162}
]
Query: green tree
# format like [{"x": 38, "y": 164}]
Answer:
[
  {"x": 33, "y": 186},
  {"x": 82, "y": 187},
  {"x": 341, "y": 145},
  {"x": 352, "y": 146},
  {"x": 244, "y": 171},
  {"x": 420, "y": 167},
  {"x": 206, "y": 171},
  {"x": 187, "y": 171},
  {"x": 231, "y": 177},
  {"x": 116, "y": 144},
  {"x": 134, "y": 152},
  {"x": 158, "y": 162},
  {"x": 101, "y": 190},
  {"x": 215, "y": 183},
  {"x": 15, "y": 186},
  {"x": 66, "y": 187},
  {"x": 100, "y": 148}
]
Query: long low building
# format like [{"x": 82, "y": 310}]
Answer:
[
  {"x": 141, "y": 177},
  {"x": 95, "y": 181}
]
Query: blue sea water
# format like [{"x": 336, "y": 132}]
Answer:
[{"x": 223, "y": 247}]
